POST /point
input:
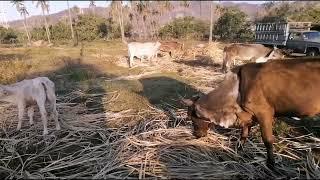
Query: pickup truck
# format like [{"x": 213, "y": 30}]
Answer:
[{"x": 295, "y": 37}]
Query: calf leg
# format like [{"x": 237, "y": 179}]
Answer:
[
  {"x": 21, "y": 109},
  {"x": 55, "y": 116},
  {"x": 30, "y": 114},
  {"x": 52, "y": 100},
  {"x": 43, "y": 113},
  {"x": 130, "y": 61}
]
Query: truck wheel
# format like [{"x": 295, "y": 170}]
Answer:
[{"x": 312, "y": 52}]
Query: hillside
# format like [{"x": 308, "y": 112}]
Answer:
[{"x": 193, "y": 10}]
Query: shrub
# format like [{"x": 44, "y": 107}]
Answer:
[
  {"x": 233, "y": 25},
  {"x": 186, "y": 27},
  {"x": 8, "y": 35}
]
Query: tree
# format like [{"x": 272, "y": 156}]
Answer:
[
  {"x": 92, "y": 6},
  {"x": 232, "y": 25},
  {"x": 200, "y": 8},
  {"x": 45, "y": 8},
  {"x": 211, "y": 22},
  {"x": 70, "y": 21},
  {"x": 117, "y": 11},
  {"x": 185, "y": 5},
  {"x": 21, "y": 8}
]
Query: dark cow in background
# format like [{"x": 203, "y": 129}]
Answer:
[
  {"x": 172, "y": 47},
  {"x": 259, "y": 92},
  {"x": 254, "y": 52}
]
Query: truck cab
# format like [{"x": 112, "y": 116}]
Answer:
[{"x": 306, "y": 42}]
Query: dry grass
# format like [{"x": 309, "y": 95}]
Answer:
[
  {"x": 127, "y": 123},
  {"x": 160, "y": 145}
]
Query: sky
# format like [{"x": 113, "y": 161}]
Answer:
[{"x": 56, "y": 6}]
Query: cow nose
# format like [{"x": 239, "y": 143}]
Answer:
[{"x": 199, "y": 134}]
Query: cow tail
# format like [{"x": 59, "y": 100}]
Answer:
[
  {"x": 45, "y": 88},
  {"x": 48, "y": 88}
]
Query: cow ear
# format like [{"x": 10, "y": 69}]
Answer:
[
  {"x": 4, "y": 92},
  {"x": 187, "y": 102}
]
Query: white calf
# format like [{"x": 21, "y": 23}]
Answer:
[
  {"x": 149, "y": 49},
  {"x": 27, "y": 94}
]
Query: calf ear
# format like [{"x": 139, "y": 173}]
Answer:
[
  {"x": 4, "y": 92},
  {"x": 187, "y": 102}
]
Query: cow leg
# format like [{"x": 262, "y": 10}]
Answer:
[
  {"x": 21, "y": 109},
  {"x": 266, "y": 122},
  {"x": 246, "y": 124},
  {"x": 244, "y": 135},
  {"x": 130, "y": 61},
  {"x": 30, "y": 114},
  {"x": 225, "y": 66}
]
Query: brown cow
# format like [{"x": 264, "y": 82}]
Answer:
[
  {"x": 171, "y": 47},
  {"x": 253, "y": 52},
  {"x": 258, "y": 92}
]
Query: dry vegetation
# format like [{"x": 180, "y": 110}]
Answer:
[{"x": 127, "y": 123}]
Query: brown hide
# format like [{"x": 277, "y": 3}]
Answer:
[
  {"x": 249, "y": 52},
  {"x": 171, "y": 47},
  {"x": 267, "y": 90}
]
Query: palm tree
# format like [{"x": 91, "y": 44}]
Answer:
[
  {"x": 45, "y": 8},
  {"x": 200, "y": 9},
  {"x": 92, "y": 6},
  {"x": 21, "y": 8},
  {"x": 70, "y": 21},
  {"x": 211, "y": 22},
  {"x": 218, "y": 10},
  {"x": 185, "y": 5},
  {"x": 117, "y": 11}
]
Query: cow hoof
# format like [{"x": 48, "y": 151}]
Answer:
[
  {"x": 240, "y": 146},
  {"x": 271, "y": 164}
]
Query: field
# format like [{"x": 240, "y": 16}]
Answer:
[{"x": 128, "y": 123}]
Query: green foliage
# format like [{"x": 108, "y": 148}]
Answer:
[
  {"x": 293, "y": 11},
  {"x": 87, "y": 27},
  {"x": 232, "y": 25},
  {"x": 186, "y": 27},
  {"x": 310, "y": 14},
  {"x": 8, "y": 35},
  {"x": 90, "y": 27}
]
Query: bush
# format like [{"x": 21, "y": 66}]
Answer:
[
  {"x": 186, "y": 27},
  {"x": 89, "y": 27},
  {"x": 232, "y": 25},
  {"x": 8, "y": 36}
]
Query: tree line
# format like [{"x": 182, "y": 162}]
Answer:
[{"x": 231, "y": 23}]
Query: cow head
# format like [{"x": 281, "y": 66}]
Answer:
[
  {"x": 219, "y": 107},
  {"x": 157, "y": 45},
  {"x": 276, "y": 54},
  {"x": 3, "y": 92}
]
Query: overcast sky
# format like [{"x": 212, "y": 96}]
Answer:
[{"x": 56, "y": 6}]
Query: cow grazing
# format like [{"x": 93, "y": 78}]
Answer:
[
  {"x": 257, "y": 92},
  {"x": 149, "y": 49},
  {"x": 27, "y": 94},
  {"x": 171, "y": 47},
  {"x": 253, "y": 52}
]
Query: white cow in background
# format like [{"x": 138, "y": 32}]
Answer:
[
  {"x": 27, "y": 94},
  {"x": 148, "y": 49}
]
